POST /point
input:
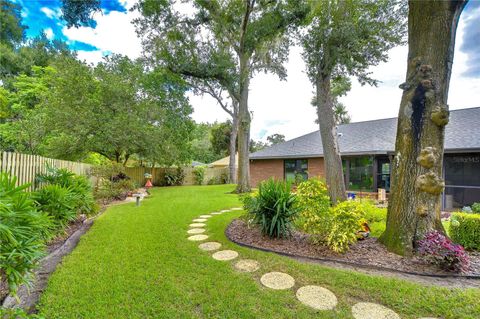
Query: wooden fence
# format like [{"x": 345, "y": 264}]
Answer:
[
  {"x": 158, "y": 174},
  {"x": 25, "y": 167}
]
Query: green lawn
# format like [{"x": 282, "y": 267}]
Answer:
[{"x": 136, "y": 262}]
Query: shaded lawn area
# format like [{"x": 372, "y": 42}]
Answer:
[{"x": 136, "y": 262}]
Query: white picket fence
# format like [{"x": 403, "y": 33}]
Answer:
[{"x": 25, "y": 167}]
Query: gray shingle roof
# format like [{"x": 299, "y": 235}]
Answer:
[{"x": 378, "y": 137}]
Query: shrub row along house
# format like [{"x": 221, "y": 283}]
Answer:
[{"x": 367, "y": 150}]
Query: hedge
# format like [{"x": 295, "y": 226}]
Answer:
[{"x": 465, "y": 230}]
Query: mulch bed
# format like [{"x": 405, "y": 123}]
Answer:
[{"x": 368, "y": 252}]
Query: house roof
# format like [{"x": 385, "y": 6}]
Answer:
[
  {"x": 378, "y": 137},
  {"x": 223, "y": 162}
]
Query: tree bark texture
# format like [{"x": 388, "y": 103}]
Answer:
[
  {"x": 233, "y": 150},
  {"x": 328, "y": 133},
  {"x": 244, "y": 119},
  {"x": 416, "y": 185}
]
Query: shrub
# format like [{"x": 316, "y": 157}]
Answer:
[
  {"x": 476, "y": 208},
  {"x": 345, "y": 222},
  {"x": 273, "y": 208},
  {"x": 57, "y": 202},
  {"x": 313, "y": 203},
  {"x": 174, "y": 177},
  {"x": 465, "y": 230},
  {"x": 23, "y": 231},
  {"x": 80, "y": 186},
  {"x": 113, "y": 183},
  {"x": 199, "y": 174},
  {"x": 437, "y": 249}
]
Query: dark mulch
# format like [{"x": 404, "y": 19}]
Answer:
[{"x": 368, "y": 252}]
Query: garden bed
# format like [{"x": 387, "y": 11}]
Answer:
[{"x": 368, "y": 252}]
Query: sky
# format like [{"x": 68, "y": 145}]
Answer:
[{"x": 278, "y": 106}]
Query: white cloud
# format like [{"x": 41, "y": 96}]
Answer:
[
  {"x": 51, "y": 13},
  {"x": 114, "y": 33},
  {"x": 91, "y": 57},
  {"x": 49, "y": 33}
]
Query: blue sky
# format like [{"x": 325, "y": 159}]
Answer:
[{"x": 277, "y": 106}]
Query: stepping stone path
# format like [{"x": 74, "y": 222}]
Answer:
[
  {"x": 368, "y": 310},
  {"x": 247, "y": 265},
  {"x": 224, "y": 211},
  {"x": 317, "y": 297},
  {"x": 197, "y": 237},
  {"x": 210, "y": 246},
  {"x": 197, "y": 225},
  {"x": 277, "y": 280},
  {"x": 196, "y": 231},
  {"x": 224, "y": 255}
]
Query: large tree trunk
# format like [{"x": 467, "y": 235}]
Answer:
[
  {"x": 233, "y": 149},
  {"x": 243, "y": 183},
  {"x": 328, "y": 133},
  {"x": 414, "y": 205}
]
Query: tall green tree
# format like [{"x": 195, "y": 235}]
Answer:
[
  {"x": 223, "y": 43},
  {"x": 220, "y": 138},
  {"x": 345, "y": 38},
  {"x": 340, "y": 86},
  {"x": 414, "y": 205},
  {"x": 12, "y": 31},
  {"x": 276, "y": 138}
]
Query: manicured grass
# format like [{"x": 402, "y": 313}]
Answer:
[{"x": 136, "y": 262}]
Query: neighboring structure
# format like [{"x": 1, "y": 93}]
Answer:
[
  {"x": 224, "y": 162},
  {"x": 367, "y": 149}
]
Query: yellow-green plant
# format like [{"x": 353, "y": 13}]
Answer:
[
  {"x": 346, "y": 219},
  {"x": 313, "y": 203}
]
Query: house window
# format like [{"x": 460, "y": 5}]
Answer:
[
  {"x": 360, "y": 173},
  {"x": 296, "y": 169},
  {"x": 462, "y": 180}
]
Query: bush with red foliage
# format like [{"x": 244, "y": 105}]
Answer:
[{"x": 440, "y": 250}]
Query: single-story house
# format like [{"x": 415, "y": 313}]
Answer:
[
  {"x": 224, "y": 162},
  {"x": 367, "y": 149}
]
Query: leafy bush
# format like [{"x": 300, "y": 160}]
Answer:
[
  {"x": 465, "y": 230},
  {"x": 80, "y": 186},
  {"x": 174, "y": 177},
  {"x": 346, "y": 219},
  {"x": 113, "y": 183},
  {"x": 313, "y": 203},
  {"x": 273, "y": 208},
  {"x": 58, "y": 202},
  {"x": 199, "y": 174},
  {"x": 23, "y": 231},
  {"x": 476, "y": 208},
  {"x": 437, "y": 249}
]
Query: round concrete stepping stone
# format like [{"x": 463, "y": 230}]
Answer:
[
  {"x": 277, "y": 280},
  {"x": 197, "y": 225},
  {"x": 196, "y": 231},
  {"x": 247, "y": 265},
  {"x": 200, "y": 220},
  {"x": 236, "y": 208},
  {"x": 368, "y": 310},
  {"x": 197, "y": 237},
  {"x": 225, "y": 255},
  {"x": 210, "y": 246},
  {"x": 317, "y": 297},
  {"x": 224, "y": 211},
  {"x": 216, "y": 213},
  {"x": 206, "y": 216}
]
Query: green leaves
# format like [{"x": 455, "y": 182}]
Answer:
[{"x": 273, "y": 208}]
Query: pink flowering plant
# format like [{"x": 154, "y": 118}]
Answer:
[{"x": 438, "y": 249}]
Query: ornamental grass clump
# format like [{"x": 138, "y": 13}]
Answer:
[
  {"x": 273, "y": 208},
  {"x": 439, "y": 250}
]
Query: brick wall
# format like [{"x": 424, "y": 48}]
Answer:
[
  {"x": 316, "y": 167},
  {"x": 261, "y": 170}
]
